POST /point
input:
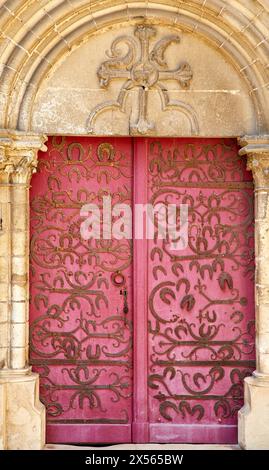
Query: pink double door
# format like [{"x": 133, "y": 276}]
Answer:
[{"x": 135, "y": 341}]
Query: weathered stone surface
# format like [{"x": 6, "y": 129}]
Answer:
[
  {"x": 76, "y": 99},
  {"x": 22, "y": 417},
  {"x": 18, "y": 160},
  {"x": 141, "y": 447},
  {"x": 23, "y": 423},
  {"x": 254, "y": 416}
]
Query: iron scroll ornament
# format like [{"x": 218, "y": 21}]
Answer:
[
  {"x": 80, "y": 337},
  {"x": 201, "y": 299}
]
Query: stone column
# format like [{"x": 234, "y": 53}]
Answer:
[
  {"x": 22, "y": 416},
  {"x": 254, "y": 416}
]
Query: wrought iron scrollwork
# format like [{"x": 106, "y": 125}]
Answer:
[
  {"x": 201, "y": 308},
  {"x": 80, "y": 342}
]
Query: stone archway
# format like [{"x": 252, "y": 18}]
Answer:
[{"x": 217, "y": 59}]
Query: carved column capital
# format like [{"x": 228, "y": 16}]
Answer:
[
  {"x": 18, "y": 155},
  {"x": 256, "y": 148}
]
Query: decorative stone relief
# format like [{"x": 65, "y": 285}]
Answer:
[{"x": 144, "y": 68}]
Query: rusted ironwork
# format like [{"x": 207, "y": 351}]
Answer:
[
  {"x": 201, "y": 299},
  {"x": 81, "y": 343}
]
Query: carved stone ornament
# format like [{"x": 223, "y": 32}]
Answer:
[
  {"x": 18, "y": 154},
  {"x": 256, "y": 150},
  {"x": 144, "y": 68}
]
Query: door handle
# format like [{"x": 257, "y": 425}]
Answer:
[
  {"x": 125, "y": 301},
  {"x": 118, "y": 280}
]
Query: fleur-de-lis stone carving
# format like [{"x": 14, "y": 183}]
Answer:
[{"x": 143, "y": 68}]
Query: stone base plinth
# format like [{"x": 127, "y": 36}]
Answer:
[
  {"x": 253, "y": 418},
  {"x": 22, "y": 416}
]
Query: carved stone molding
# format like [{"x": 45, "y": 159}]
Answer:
[
  {"x": 257, "y": 151},
  {"x": 144, "y": 68},
  {"x": 237, "y": 29},
  {"x": 18, "y": 155}
]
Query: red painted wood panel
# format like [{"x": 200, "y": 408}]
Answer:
[
  {"x": 201, "y": 298},
  {"x": 80, "y": 337},
  {"x": 190, "y": 313}
]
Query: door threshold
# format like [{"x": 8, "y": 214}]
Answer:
[{"x": 144, "y": 447}]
